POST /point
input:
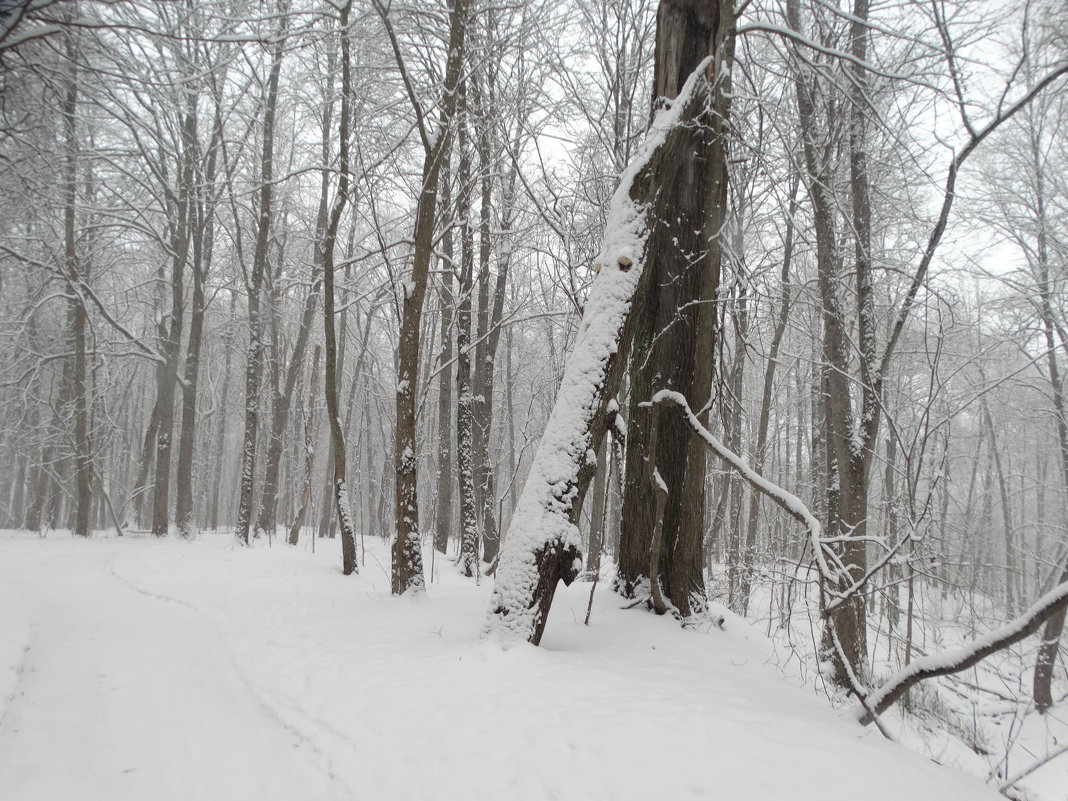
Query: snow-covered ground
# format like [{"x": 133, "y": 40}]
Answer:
[{"x": 153, "y": 670}]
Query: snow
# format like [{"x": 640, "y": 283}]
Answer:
[{"x": 196, "y": 670}]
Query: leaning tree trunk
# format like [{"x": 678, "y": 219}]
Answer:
[
  {"x": 265, "y": 520},
  {"x": 674, "y": 334},
  {"x": 543, "y": 545}
]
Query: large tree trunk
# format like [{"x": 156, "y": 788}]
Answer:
[
  {"x": 170, "y": 345},
  {"x": 543, "y": 544},
  {"x": 407, "y": 558},
  {"x": 203, "y": 248},
  {"x": 674, "y": 329}
]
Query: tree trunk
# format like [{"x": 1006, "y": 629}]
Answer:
[
  {"x": 83, "y": 467},
  {"x": 254, "y": 365},
  {"x": 221, "y": 404},
  {"x": 341, "y": 491},
  {"x": 764, "y": 420},
  {"x": 309, "y": 448},
  {"x": 543, "y": 546},
  {"x": 1051, "y": 634},
  {"x": 407, "y": 558},
  {"x": 203, "y": 248},
  {"x": 443, "y": 509},
  {"x": 465, "y": 397},
  {"x": 674, "y": 329}
]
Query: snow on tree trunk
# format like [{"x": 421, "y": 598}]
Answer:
[{"x": 542, "y": 546}]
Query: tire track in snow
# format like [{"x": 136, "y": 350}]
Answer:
[{"x": 270, "y": 708}]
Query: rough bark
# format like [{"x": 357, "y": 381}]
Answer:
[
  {"x": 407, "y": 558},
  {"x": 674, "y": 334},
  {"x": 543, "y": 546}
]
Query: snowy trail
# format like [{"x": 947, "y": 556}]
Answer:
[
  {"x": 197, "y": 671},
  {"x": 125, "y": 695}
]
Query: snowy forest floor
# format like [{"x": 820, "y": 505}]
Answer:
[{"x": 141, "y": 669}]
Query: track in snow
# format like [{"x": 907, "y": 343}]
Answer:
[{"x": 126, "y": 695}]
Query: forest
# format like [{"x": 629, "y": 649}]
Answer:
[{"x": 723, "y": 315}]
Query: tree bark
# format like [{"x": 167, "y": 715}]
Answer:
[
  {"x": 543, "y": 546},
  {"x": 83, "y": 467},
  {"x": 407, "y": 558},
  {"x": 254, "y": 365},
  {"x": 674, "y": 334},
  {"x": 465, "y": 396},
  {"x": 309, "y": 448},
  {"x": 341, "y": 491}
]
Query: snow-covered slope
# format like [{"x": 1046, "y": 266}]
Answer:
[{"x": 137, "y": 669}]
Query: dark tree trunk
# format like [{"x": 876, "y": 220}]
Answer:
[
  {"x": 675, "y": 320},
  {"x": 170, "y": 345},
  {"x": 542, "y": 547},
  {"x": 407, "y": 558},
  {"x": 203, "y": 221}
]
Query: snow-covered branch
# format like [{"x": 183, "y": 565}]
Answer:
[
  {"x": 785, "y": 500},
  {"x": 959, "y": 659}
]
